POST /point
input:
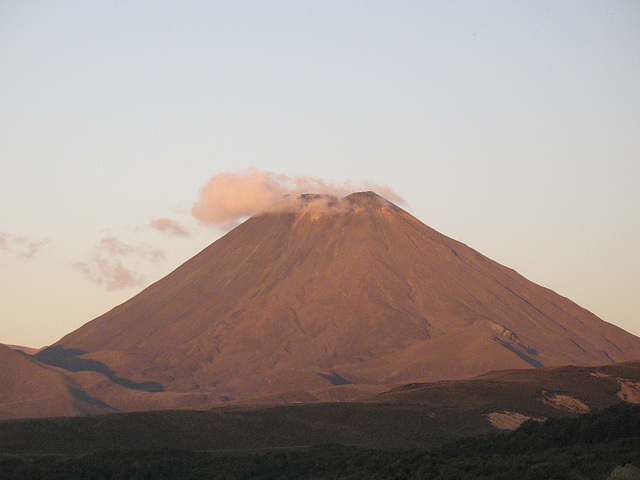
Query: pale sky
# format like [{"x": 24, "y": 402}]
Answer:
[{"x": 513, "y": 127}]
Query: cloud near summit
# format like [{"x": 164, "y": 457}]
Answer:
[{"x": 229, "y": 197}]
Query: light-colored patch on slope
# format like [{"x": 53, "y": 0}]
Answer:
[
  {"x": 599, "y": 375},
  {"x": 504, "y": 332},
  {"x": 565, "y": 402},
  {"x": 628, "y": 472},
  {"x": 629, "y": 391},
  {"x": 508, "y": 420}
]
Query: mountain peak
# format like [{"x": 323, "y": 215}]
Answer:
[
  {"x": 324, "y": 289},
  {"x": 319, "y": 203},
  {"x": 366, "y": 199}
]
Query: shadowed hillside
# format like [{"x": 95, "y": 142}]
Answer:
[
  {"x": 416, "y": 416},
  {"x": 600, "y": 446}
]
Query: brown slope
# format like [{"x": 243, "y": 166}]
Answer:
[
  {"x": 23, "y": 349},
  {"x": 334, "y": 291},
  {"x": 30, "y": 389},
  {"x": 412, "y": 416},
  {"x": 505, "y": 399}
]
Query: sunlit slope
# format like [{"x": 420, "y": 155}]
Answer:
[
  {"x": 30, "y": 389},
  {"x": 336, "y": 291}
]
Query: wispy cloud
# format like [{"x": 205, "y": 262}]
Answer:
[
  {"x": 114, "y": 247},
  {"x": 20, "y": 246},
  {"x": 109, "y": 272},
  {"x": 170, "y": 227},
  {"x": 109, "y": 263},
  {"x": 228, "y": 197}
]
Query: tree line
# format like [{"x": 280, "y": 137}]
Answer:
[{"x": 587, "y": 447}]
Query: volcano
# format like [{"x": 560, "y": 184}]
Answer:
[{"x": 321, "y": 292}]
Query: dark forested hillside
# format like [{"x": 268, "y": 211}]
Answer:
[{"x": 587, "y": 447}]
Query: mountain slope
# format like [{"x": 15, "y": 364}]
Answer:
[
  {"x": 413, "y": 416},
  {"x": 335, "y": 291},
  {"x": 506, "y": 398},
  {"x": 31, "y": 389}
]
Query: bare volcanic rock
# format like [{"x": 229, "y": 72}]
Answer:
[{"x": 322, "y": 291}]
